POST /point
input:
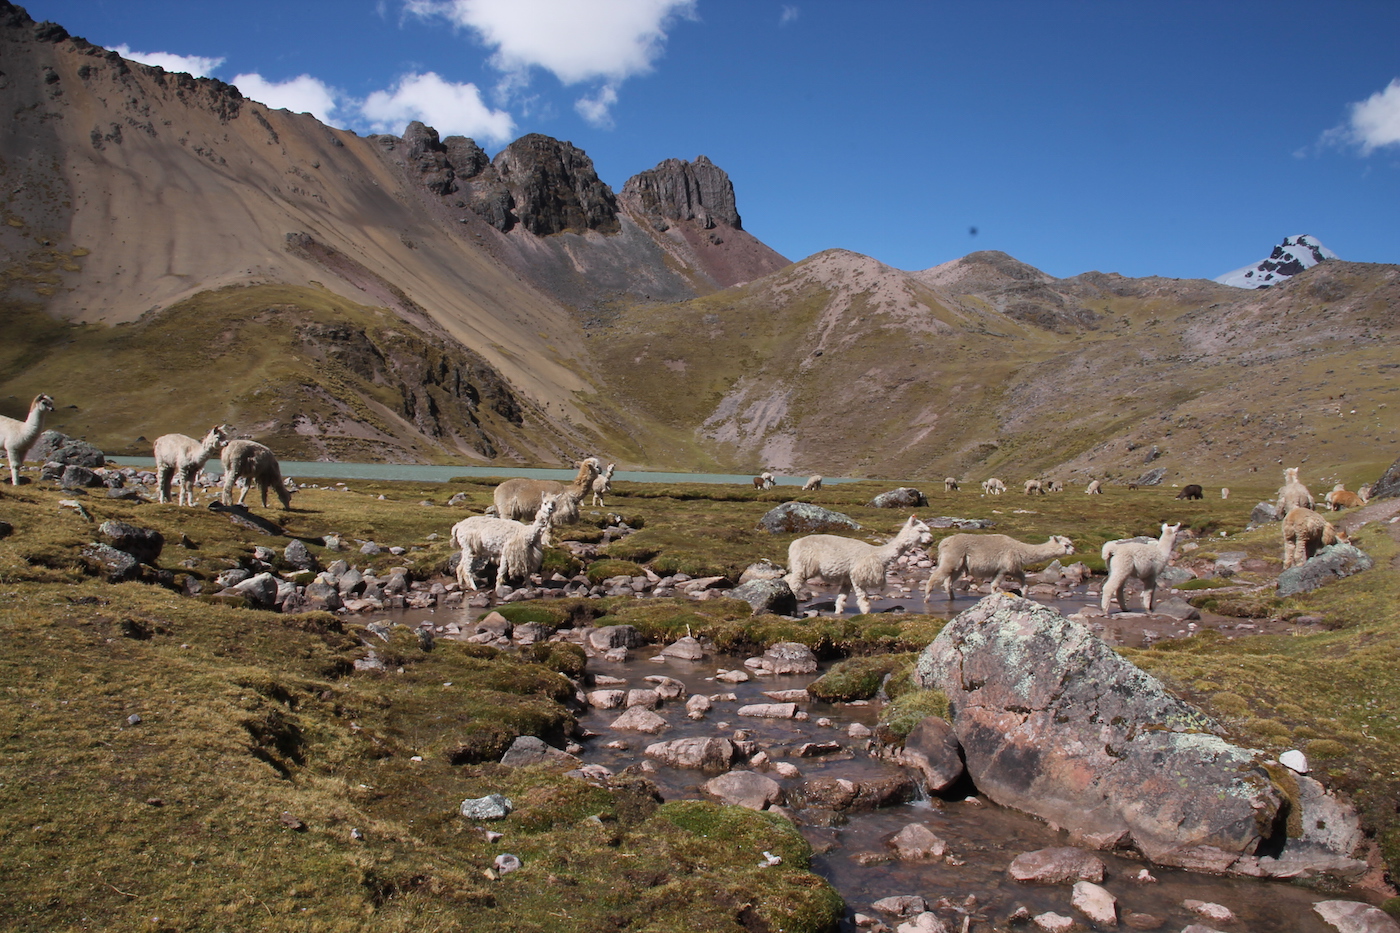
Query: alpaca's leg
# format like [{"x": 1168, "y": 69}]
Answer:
[
  {"x": 187, "y": 487},
  {"x": 164, "y": 475},
  {"x": 1149, "y": 591},
  {"x": 841, "y": 601},
  {"x": 996, "y": 580},
  {"x": 227, "y": 496},
  {"x": 1117, "y": 581},
  {"x": 262, "y": 487},
  {"x": 862, "y": 599},
  {"x": 243, "y": 491}
]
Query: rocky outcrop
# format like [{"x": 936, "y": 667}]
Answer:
[
  {"x": 555, "y": 187},
  {"x": 1331, "y": 563},
  {"x": 804, "y": 519},
  {"x": 1053, "y": 722},
  {"x": 678, "y": 190},
  {"x": 1388, "y": 486}
]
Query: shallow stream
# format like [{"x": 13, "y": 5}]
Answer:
[{"x": 852, "y": 848}]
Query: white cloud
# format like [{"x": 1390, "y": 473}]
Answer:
[
  {"x": 789, "y": 15},
  {"x": 1372, "y": 123},
  {"x": 578, "y": 41},
  {"x": 451, "y": 109},
  {"x": 302, "y": 94},
  {"x": 198, "y": 65}
]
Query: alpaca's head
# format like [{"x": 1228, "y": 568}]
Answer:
[
  {"x": 42, "y": 403},
  {"x": 918, "y": 528},
  {"x": 1066, "y": 545},
  {"x": 1290, "y": 475}
]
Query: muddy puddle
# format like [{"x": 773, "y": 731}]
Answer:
[{"x": 969, "y": 889}]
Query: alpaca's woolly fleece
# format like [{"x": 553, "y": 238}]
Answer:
[
  {"x": 253, "y": 463},
  {"x": 994, "y": 556},
  {"x": 1128, "y": 559},
  {"x": 858, "y": 567},
  {"x": 19, "y": 436},
  {"x": 183, "y": 455}
]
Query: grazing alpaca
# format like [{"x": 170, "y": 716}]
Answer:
[
  {"x": 1225, "y": 492},
  {"x": 516, "y": 548},
  {"x": 1034, "y": 487},
  {"x": 768, "y": 481},
  {"x": 995, "y": 556},
  {"x": 179, "y": 453},
  {"x": 1054, "y": 486},
  {"x": 858, "y": 567},
  {"x": 1139, "y": 559},
  {"x": 19, "y": 436},
  {"x": 1293, "y": 494},
  {"x": 1342, "y": 498},
  {"x": 813, "y": 484},
  {"x": 1304, "y": 534},
  {"x": 1132, "y": 486},
  {"x": 1095, "y": 488},
  {"x": 253, "y": 463},
  {"x": 1193, "y": 491},
  {"x": 950, "y": 484},
  {"x": 602, "y": 485},
  {"x": 520, "y": 498},
  {"x": 993, "y": 487}
]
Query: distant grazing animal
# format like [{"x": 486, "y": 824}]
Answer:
[
  {"x": 602, "y": 485},
  {"x": 19, "y": 436},
  {"x": 516, "y": 548},
  {"x": 253, "y": 463},
  {"x": 520, "y": 498},
  {"x": 1342, "y": 498},
  {"x": 950, "y": 484},
  {"x": 1139, "y": 559},
  {"x": 993, "y": 487},
  {"x": 1095, "y": 488},
  {"x": 1224, "y": 492},
  {"x": 1033, "y": 487},
  {"x": 1304, "y": 534},
  {"x": 1365, "y": 492},
  {"x": 995, "y": 556},
  {"x": 1192, "y": 491},
  {"x": 1132, "y": 486},
  {"x": 1054, "y": 486},
  {"x": 768, "y": 481},
  {"x": 1293, "y": 494},
  {"x": 758, "y": 482},
  {"x": 857, "y": 566},
  {"x": 178, "y": 453},
  {"x": 813, "y": 484}
]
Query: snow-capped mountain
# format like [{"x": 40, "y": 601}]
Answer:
[{"x": 1290, "y": 257}]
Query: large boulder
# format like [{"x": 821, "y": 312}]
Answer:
[
  {"x": 144, "y": 544},
  {"x": 54, "y": 447},
  {"x": 767, "y": 596},
  {"x": 803, "y": 518},
  {"x": 1388, "y": 486},
  {"x": 1331, "y": 563},
  {"x": 1053, "y": 722},
  {"x": 931, "y": 748},
  {"x": 905, "y": 497}
]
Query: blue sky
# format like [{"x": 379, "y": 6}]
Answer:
[{"x": 1180, "y": 139}]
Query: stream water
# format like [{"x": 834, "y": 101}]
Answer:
[{"x": 970, "y": 889}]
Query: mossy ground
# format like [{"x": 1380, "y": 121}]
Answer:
[{"x": 245, "y": 716}]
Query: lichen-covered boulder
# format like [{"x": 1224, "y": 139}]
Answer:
[
  {"x": 803, "y": 518},
  {"x": 905, "y": 497},
  {"x": 1331, "y": 563},
  {"x": 767, "y": 596},
  {"x": 1055, "y": 723}
]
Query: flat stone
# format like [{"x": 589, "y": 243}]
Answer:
[
  {"x": 531, "y": 750},
  {"x": 769, "y": 710},
  {"x": 745, "y": 789},
  {"x": 1052, "y": 922},
  {"x": 1095, "y": 902},
  {"x": 640, "y": 719},
  {"x": 926, "y": 922},
  {"x": 490, "y": 807},
  {"x": 684, "y": 649},
  {"x": 1356, "y": 917},
  {"x": 917, "y": 841},
  {"x": 1058, "y": 865},
  {"x": 901, "y": 905},
  {"x": 703, "y": 754}
]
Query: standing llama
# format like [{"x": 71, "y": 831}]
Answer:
[
  {"x": 602, "y": 485},
  {"x": 253, "y": 463},
  {"x": 19, "y": 436},
  {"x": 1293, "y": 494},
  {"x": 517, "y": 549},
  {"x": 994, "y": 556},
  {"x": 1139, "y": 559},
  {"x": 858, "y": 567},
  {"x": 520, "y": 498},
  {"x": 993, "y": 487},
  {"x": 183, "y": 455},
  {"x": 1304, "y": 534}
]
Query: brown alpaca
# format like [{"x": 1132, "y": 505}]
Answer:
[{"x": 1304, "y": 534}]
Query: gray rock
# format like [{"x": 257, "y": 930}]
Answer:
[
  {"x": 773, "y": 597},
  {"x": 490, "y": 807},
  {"x": 370, "y": 548},
  {"x": 684, "y": 649},
  {"x": 350, "y": 583},
  {"x": 59, "y": 448},
  {"x": 901, "y": 905},
  {"x": 701, "y": 754},
  {"x": 1058, "y": 865},
  {"x": 297, "y": 555},
  {"x": 1152, "y": 477},
  {"x": 260, "y": 591},
  {"x": 79, "y": 477},
  {"x": 905, "y": 497},
  {"x": 1054, "y": 722},
  {"x": 233, "y": 577},
  {"x": 962, "y": 524},
  {"x": 917, "y": 841},
  {"x": 639, "y": 719},
  {"x": 1331, "y": 563},
  {"x": 1176, "y": 608},
  {"x": 615, "y": 636},
  {"x": 530, "y": 750},
  {"x": 745, "y": 789},
  {"x": 789, "y": 657},
  {"x": 932, "y": 749},
  {"x": 1173, "y": 576},
  {"x": 1263, "y": 513},
  {"x": 144, "y": 544},
  {"x": 112, "y": 565},
  {"x": 1356, "y": 917},
  {"x": 762, "y": 570},
  {"x": 803, "y": 518},
  {"x": 1387, "y": 487}
]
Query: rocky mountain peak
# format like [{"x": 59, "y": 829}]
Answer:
[
  {"x": 679, "y": 190},
  {"x": 555, "y": 187},
  {"x": 1290, "y": 257}
]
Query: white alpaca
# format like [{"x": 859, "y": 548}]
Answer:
[
  {"x": 516, "y": 548},
  {"x": 858, "y": 567},
  {"x": 183, "y": 455},
  {"x": 1224, "y": 492},
  {"x": 995, "y": 556},
  {"x": 1293, "y": 494},
  {"x": 768, "y": 481},
  {"x": 602, "y": 485},
  {"x": 993, "y": 487},
  {"x": 253, "y": 463},
  {"x": 520, "y": 498},
  {"x": 19, "y": 436},
  {"x": 813, "y": 484},
  {"x": 1033, "y": 487},
  {"x": 950, "y": 484},
  {"x": 1139, "y": 559},
  {"x": 1054, "y": 486},
  {"x": 1094, "y": 489}
]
